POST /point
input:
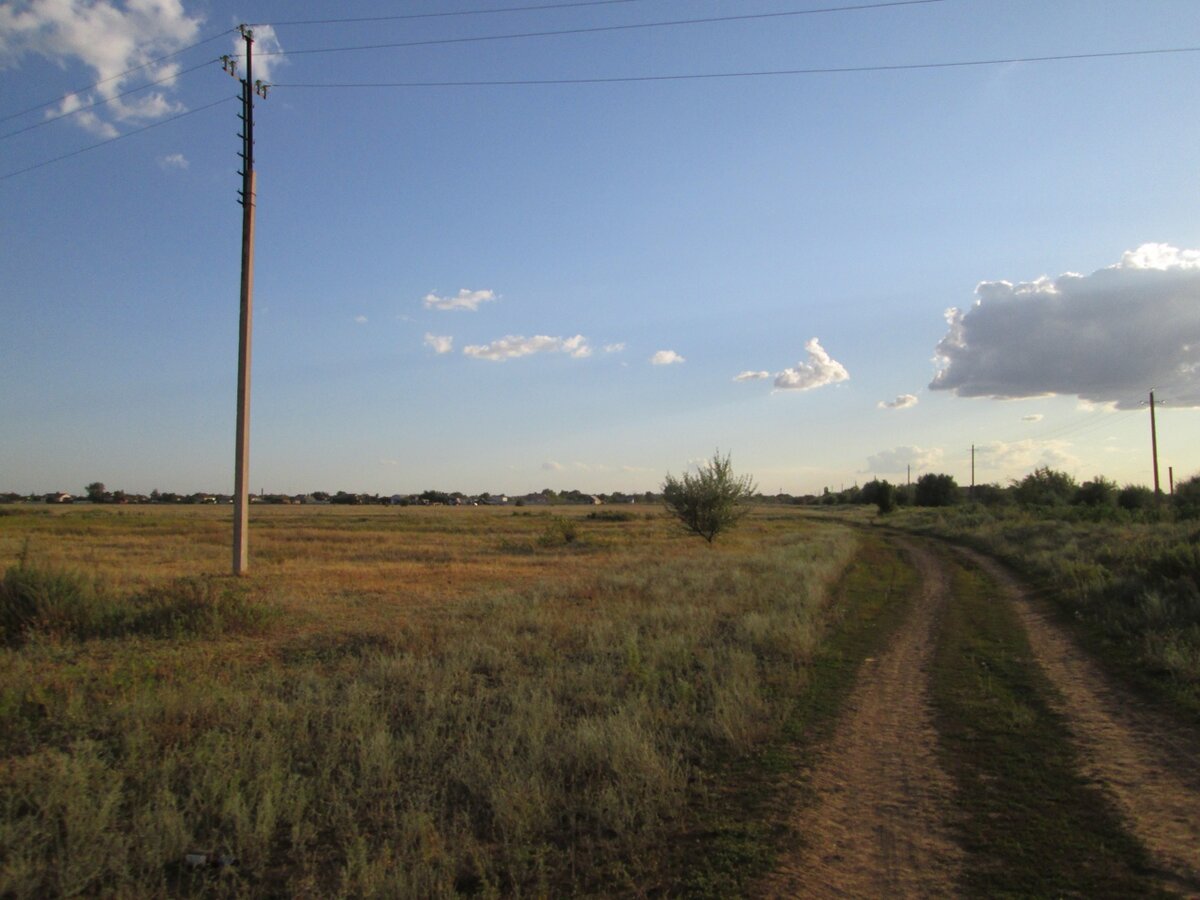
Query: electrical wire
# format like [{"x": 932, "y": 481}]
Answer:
[
  {"x": 119, "y": 137},
  {"x": 824, "y": 70},
  {"x": 93, "y": 105},
  {"x": 200, "y": 43},
  {"x": 602, "y": 28},
  {"x": 436, "y": 15}
]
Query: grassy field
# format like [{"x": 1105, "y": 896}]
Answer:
[{"x": 419, "y": 702}]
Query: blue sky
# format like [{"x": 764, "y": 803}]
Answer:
[{"x": 511, "y": 287}]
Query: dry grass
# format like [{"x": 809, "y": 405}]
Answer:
[{"x": 444, "y": 701}]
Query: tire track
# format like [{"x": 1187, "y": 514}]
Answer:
[
  {"x": 1148, "y": 765},
  {"x": 878, "y": 826}
]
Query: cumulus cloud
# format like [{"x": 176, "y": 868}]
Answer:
[
  {"x": 818, "y": 370},
  {"x": 750, "y": 375},
  {"x": 464, "y": 299},
  {"x": 666, "y": 358},
  {"x": 552, "y": 466},
  {"x": 108, "y": 38},
  {"x": 1107, "y": 337},
  {"x": 1026, "y": 454},
  {"x": 267, "y": 51},
  {"x": 904, "y": 401},
  {"x": 1032, "y": 417},
  {"x": 173, "y": 161},
  {"x": 898, "y": 459},
  {"x": 614, "y": 348},
  {"x": 360, "y": 320},
  {"x": 439, "y": 343},
  {"x": 513, "y": 346}
]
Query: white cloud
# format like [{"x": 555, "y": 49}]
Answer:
[
  {"x": 513, "y": 346},
  {"x": 552, "y": 466},
  {"x": 1032, "y": 417},
  {"x": 898, "y": 459},
  {"x": 1107, "y": 337},
  {"x": 614, "y": 348},
  {"x": 107, "y": 38},
  {"x": 267, "y": 52},
  {"x": 751, "y": 376},
  {"x": 903, "y": 401},
  {"x": 818, "y": 370},
  {"x": 174, "y": 161},
  {"x": 360, "y": 320},
  {"x": 439, "y": 343},
  {"x": 464, "y": 299},
  {"x": 666, "y": 358},
  {"x": 1026, "y": 454}
]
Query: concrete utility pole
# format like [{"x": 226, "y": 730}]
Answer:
[
  {"x": 972, "y": 494},
  {"x": 241, "y": 461},
  {"x": 1154, "y": 447}
]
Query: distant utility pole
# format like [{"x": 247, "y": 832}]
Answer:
[
  {"x": 972, "y": 494},
  {"x": 1154, "y": 447},
  {"x": 241, "y": 461}
]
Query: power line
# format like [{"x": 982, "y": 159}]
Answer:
[
  {"x": 436, "y": 15},
  {"x": 97, "y": 84},
  {"x": 824, "y": 70},
  {"x": 120, "y": 137},
  {"x": 93, "y": 105},
  {"x": 604, "y": 28}
]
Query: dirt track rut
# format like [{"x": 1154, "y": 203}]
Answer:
[
  {"x": 878, "y": 826},
  {"x": 1149, "y": 766}
]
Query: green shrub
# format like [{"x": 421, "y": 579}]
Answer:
[
  {"x": 204, "y": 607},
  {"x": 1187, "y": 499},
  {"x": 1045, "y": 487},
  {"x": 881, "y": 493},
  {"x": 936, "y": 490},
  {"x": 611, "y": 515},
  {"x": 61, "y": 604},
  {"x": 558, "y": 532},
  {"x": 710, "y": 501},
  {"x": 52, "y": 602}
]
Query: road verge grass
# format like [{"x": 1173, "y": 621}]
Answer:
[
  {"x": 740, "y": 831},
  {"x": 1030, "y": 823}
]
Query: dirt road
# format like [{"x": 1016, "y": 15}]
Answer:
[
  {"x": 879, "y": 823},
  {"x": 1149, "y": 766},
  {"x": 878, "y": 826}
]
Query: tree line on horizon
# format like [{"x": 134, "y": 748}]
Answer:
[{"x": 1044, "y": 488}]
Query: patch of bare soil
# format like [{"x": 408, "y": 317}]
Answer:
[
  {"x": 1150, "y": 766},
  {"x": 878, "y": 825}
]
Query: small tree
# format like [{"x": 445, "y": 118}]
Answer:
[
  {"x": 936, "y": 490},
  {"x": 1045, "y": 487},
  {"x": 881, "y": 493},
  {"x": 710, "y": 501},
  {"x": 1187, "y": 498},
  {"x": 1099, "y": 492},
  {"x": 96, "y": 491}
]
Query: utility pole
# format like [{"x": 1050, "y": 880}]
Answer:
[
  {"x": 241, "y": 461},
  {"x": 1154, "y": 448},
  {"x": 1171, "y": 479},
  {"x": 972, "y": 494}
]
